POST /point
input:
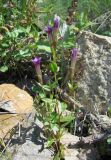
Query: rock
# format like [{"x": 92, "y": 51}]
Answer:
[
  {"x": 15, "y": 105},
  {"x": 69, "y": 139},
  {"x": 94, "y": 86},
  {"x": 70, "y": 153},
  {"x": 76, "y": 151},
  {"x": 20, "y": 99},
  {"x": 105, "y": 122},
  {"x": 6, "y": 106},
  {"x": 30, "y": 145},
  {"x": 30, "y": 149}
]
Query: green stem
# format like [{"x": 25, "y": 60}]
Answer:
[
  {"x": 53, "y": 54},
  {"x": 62, "y": 57},
  {"x": 54, "y": 59}
]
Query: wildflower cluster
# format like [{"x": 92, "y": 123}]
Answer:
[
  {"x": 51, "y": 112},
  {"x": 52, "y": 31}
]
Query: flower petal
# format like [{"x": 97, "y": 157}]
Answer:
[
  {"x": 74, "y": 54},
  {"x": 36, "y": 60},
  {"x": 56, "y": 22}
]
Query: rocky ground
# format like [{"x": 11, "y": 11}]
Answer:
[
  {"x": 94, "y": 93},
  {"x": 30, "y": 145}
]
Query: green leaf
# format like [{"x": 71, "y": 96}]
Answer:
[
  {"x": 23, "y": 53},
  {"x": 4, "y": 54},
  {"x": 70, "y": 86},
  {"x": 109, "y": 140},
  {"x": 2, "y": 143},
  {"x": 62, "y": 107},
  {"x": 47, "y": 100},
  {"x": 54, "y": 117},
  {"x": 107, "y": 33},
  {"x": 44, "y": 87},
  {"x": 46, "y": 124},
  {"x": 23, "y": 5},
  {"x": 34, "y": 89},
  {"x": 4, "y": 69},
  {"x": 4, "y": 45},
  {"x": 54, "y": 84},
  {"x": 55, "y": 128},
  {"x": 68, "y": 118},
  {"x": 53, "y": 67},
  {"x": 45, "y": 48},
  {"x": 75, "y": 86},
  {"x": 42, "y": 95},
  {"x": 49, "y": 142},
  {"x": 109, "y": 109}
]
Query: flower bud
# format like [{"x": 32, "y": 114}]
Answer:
[
  {"x": 36, "y": 61},
  {"x": 49, "y": 31},
  {"x": 56, "y": 23}
]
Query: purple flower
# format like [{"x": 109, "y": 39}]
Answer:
[
  {"x": 56, "y": 22},
  {"x": 36, "y": 61},
  {"x": 55, "y": 30},
  {"x": 52, "y": 32},
  {"x": 74, "y": 54},
  {"x": 48, "y": 29}
]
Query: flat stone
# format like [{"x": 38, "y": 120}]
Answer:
[{"x": 16, "y": 103}]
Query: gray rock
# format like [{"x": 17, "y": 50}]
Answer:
[
  {"x": 30, "y": 144},
  {"x": 75, "y": 151},
  {"x": 94, "y": 86},
  {"x": 30, "y": 151}
]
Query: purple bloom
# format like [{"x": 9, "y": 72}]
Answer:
[
  {"x": 74, "y": 54},
  {"x": 48, "y": 29},
  {"x": 55, "y": 27},
  {"x": 52, "y": 32},
  {"x": 56, "y": 22},
  {"x": 36, "y": 61}
]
